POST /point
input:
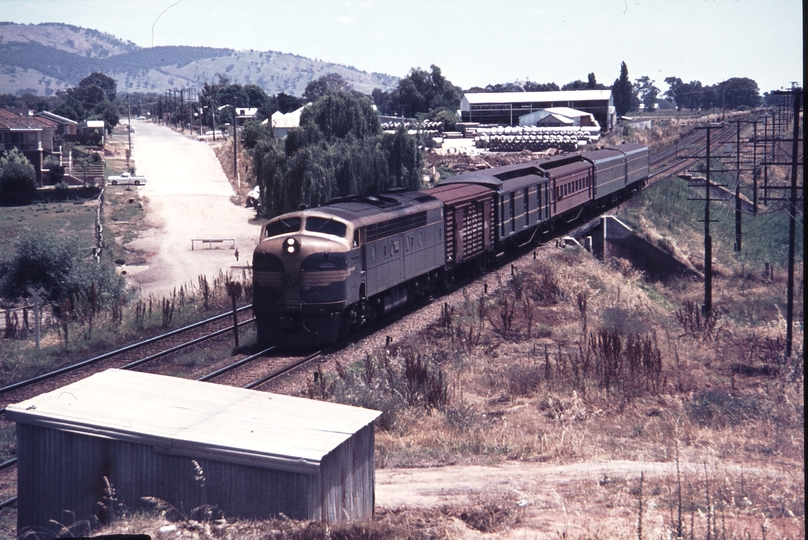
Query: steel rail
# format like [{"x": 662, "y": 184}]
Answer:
[
  {"x": 116, "y": 352},
  {"x": 283, "y": 371},
  {"x": 185, "y": 345},
  {"x": 235, "y": 365}
]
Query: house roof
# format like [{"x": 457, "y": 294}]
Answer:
[
  {"x": 198, "y": 419},
  {"x": 15, "y": 122},
  {"x": 246, "y": 112},
  {"x": 56, "y": 118},
  {"x": 288, "y": 120}
]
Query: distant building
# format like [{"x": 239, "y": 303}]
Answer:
[
  {"x": 505, "y": 108},
  {"x": 282, "y": 123}
]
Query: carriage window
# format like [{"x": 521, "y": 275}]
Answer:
[
  {"x": 326, "y": 226},
  {"x": 282, "y": 226}
]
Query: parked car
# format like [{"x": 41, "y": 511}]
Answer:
[{"x": 125, "y": 179}]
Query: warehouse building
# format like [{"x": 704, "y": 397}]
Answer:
[
  {"x": 252, "y": 454},
  {"x": 505, "y": 108}
]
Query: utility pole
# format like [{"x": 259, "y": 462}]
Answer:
[
  {"x": 754, "y": 170},
  {"x": 738, "y": 187},
  {"x": 235, "y": 144},
  {"x": 792, "y": 223},
  {"x": 708, "y": 240},
  {"x": 129, "y": 127}
]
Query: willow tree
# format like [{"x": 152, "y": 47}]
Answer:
[{"x": 338, "y": 150}]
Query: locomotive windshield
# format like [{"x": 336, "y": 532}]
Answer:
[
  {"x": 326, "y": 226},
  {"x": 282, "y": 226}
]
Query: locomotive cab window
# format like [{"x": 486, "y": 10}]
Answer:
[
  {"x": 356, "y": 238},
  {"x": 326, "y": 226},
  {"x": 282, "y": 226}
]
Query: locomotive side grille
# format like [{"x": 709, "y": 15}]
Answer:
[{"x": 395, "y": 226}]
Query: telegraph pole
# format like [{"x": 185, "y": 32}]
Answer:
[
  {"x": 708, "y": 240},
  {"x": 738, "y": 234},
  {"x": 754, "y": 170},
  {"x": 792, "y": 222},
  {"x": 235, "y": 144}
]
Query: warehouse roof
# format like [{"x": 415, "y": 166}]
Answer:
[
  {"x": 198, "y": 419},
  {"x": 477, "y": 98}
]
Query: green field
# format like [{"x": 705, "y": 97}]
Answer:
[{"x": 67, "y": 218}]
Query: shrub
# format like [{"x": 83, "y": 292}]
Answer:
[{"x": 17, "y": 179}]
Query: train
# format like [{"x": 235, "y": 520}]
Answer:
[{"x": 322, "y": 273}]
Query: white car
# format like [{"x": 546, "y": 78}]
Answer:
[{"x": 126, "y": 179}]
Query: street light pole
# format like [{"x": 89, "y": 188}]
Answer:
[{"x": 235, "y": 145}]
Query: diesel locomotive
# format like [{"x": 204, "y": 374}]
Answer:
[{"x": 322, "y": 273}]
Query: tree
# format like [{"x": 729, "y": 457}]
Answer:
[
  {"x": 647, "y": 92},
  {"x": 420, "y": 92},
  {"x": 254, "y": 132},
  {"x": 622, "y": 91},
  {"x": 531, "y": 86},
  {"x": 321, "y": 86},
  {"x": 576, "y": 85},
  {"x": 63, "y": 267},
  {"x": 686, "y": 95},
  {"x": 111, "y": 117},
  {"x": 71, "y": 108},
  {"x": 107, "y": 85},
  {"x": 338, "y": 150},
  {"x": 17, "y": 179},
  {"x": 288, "y": 103},
  {"x": 741, "y": 91}
]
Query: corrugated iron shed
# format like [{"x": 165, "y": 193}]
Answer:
[{"x": 262, "y": 453}]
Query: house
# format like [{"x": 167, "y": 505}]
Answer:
[
  {"x": 31, "y": 135},
  {"x": 282, "y": 123},
  {"x": 252, "y": 454},
  {"x": 64, "y": 126}
]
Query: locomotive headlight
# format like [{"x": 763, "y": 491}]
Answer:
[{"x": 290, "y": 246}]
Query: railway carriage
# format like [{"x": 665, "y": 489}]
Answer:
[{"x": 523, "y": 200}]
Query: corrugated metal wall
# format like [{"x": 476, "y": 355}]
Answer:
[
  {"x": 60, "y": 471},
  {"x": 347, "y": 476}
]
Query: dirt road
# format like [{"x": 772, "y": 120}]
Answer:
[{"x": 187, "y": 196}]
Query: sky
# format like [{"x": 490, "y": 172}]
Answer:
[{"x": 474, "y": 42}]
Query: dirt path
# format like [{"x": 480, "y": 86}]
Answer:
[
  {"x": 187, "y": 196},
  {"x": 536, "y": 500}
]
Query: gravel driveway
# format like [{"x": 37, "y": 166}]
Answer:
[{"x": 187, "y": 196}]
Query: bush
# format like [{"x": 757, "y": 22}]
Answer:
[
  {"x": 17, "y": 179},
  {"x": 717, "y": 408}
]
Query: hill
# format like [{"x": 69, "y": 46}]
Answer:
[{"x": 43, "y": 58}]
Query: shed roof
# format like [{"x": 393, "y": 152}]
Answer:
[{"x": 198, "y": 419}]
